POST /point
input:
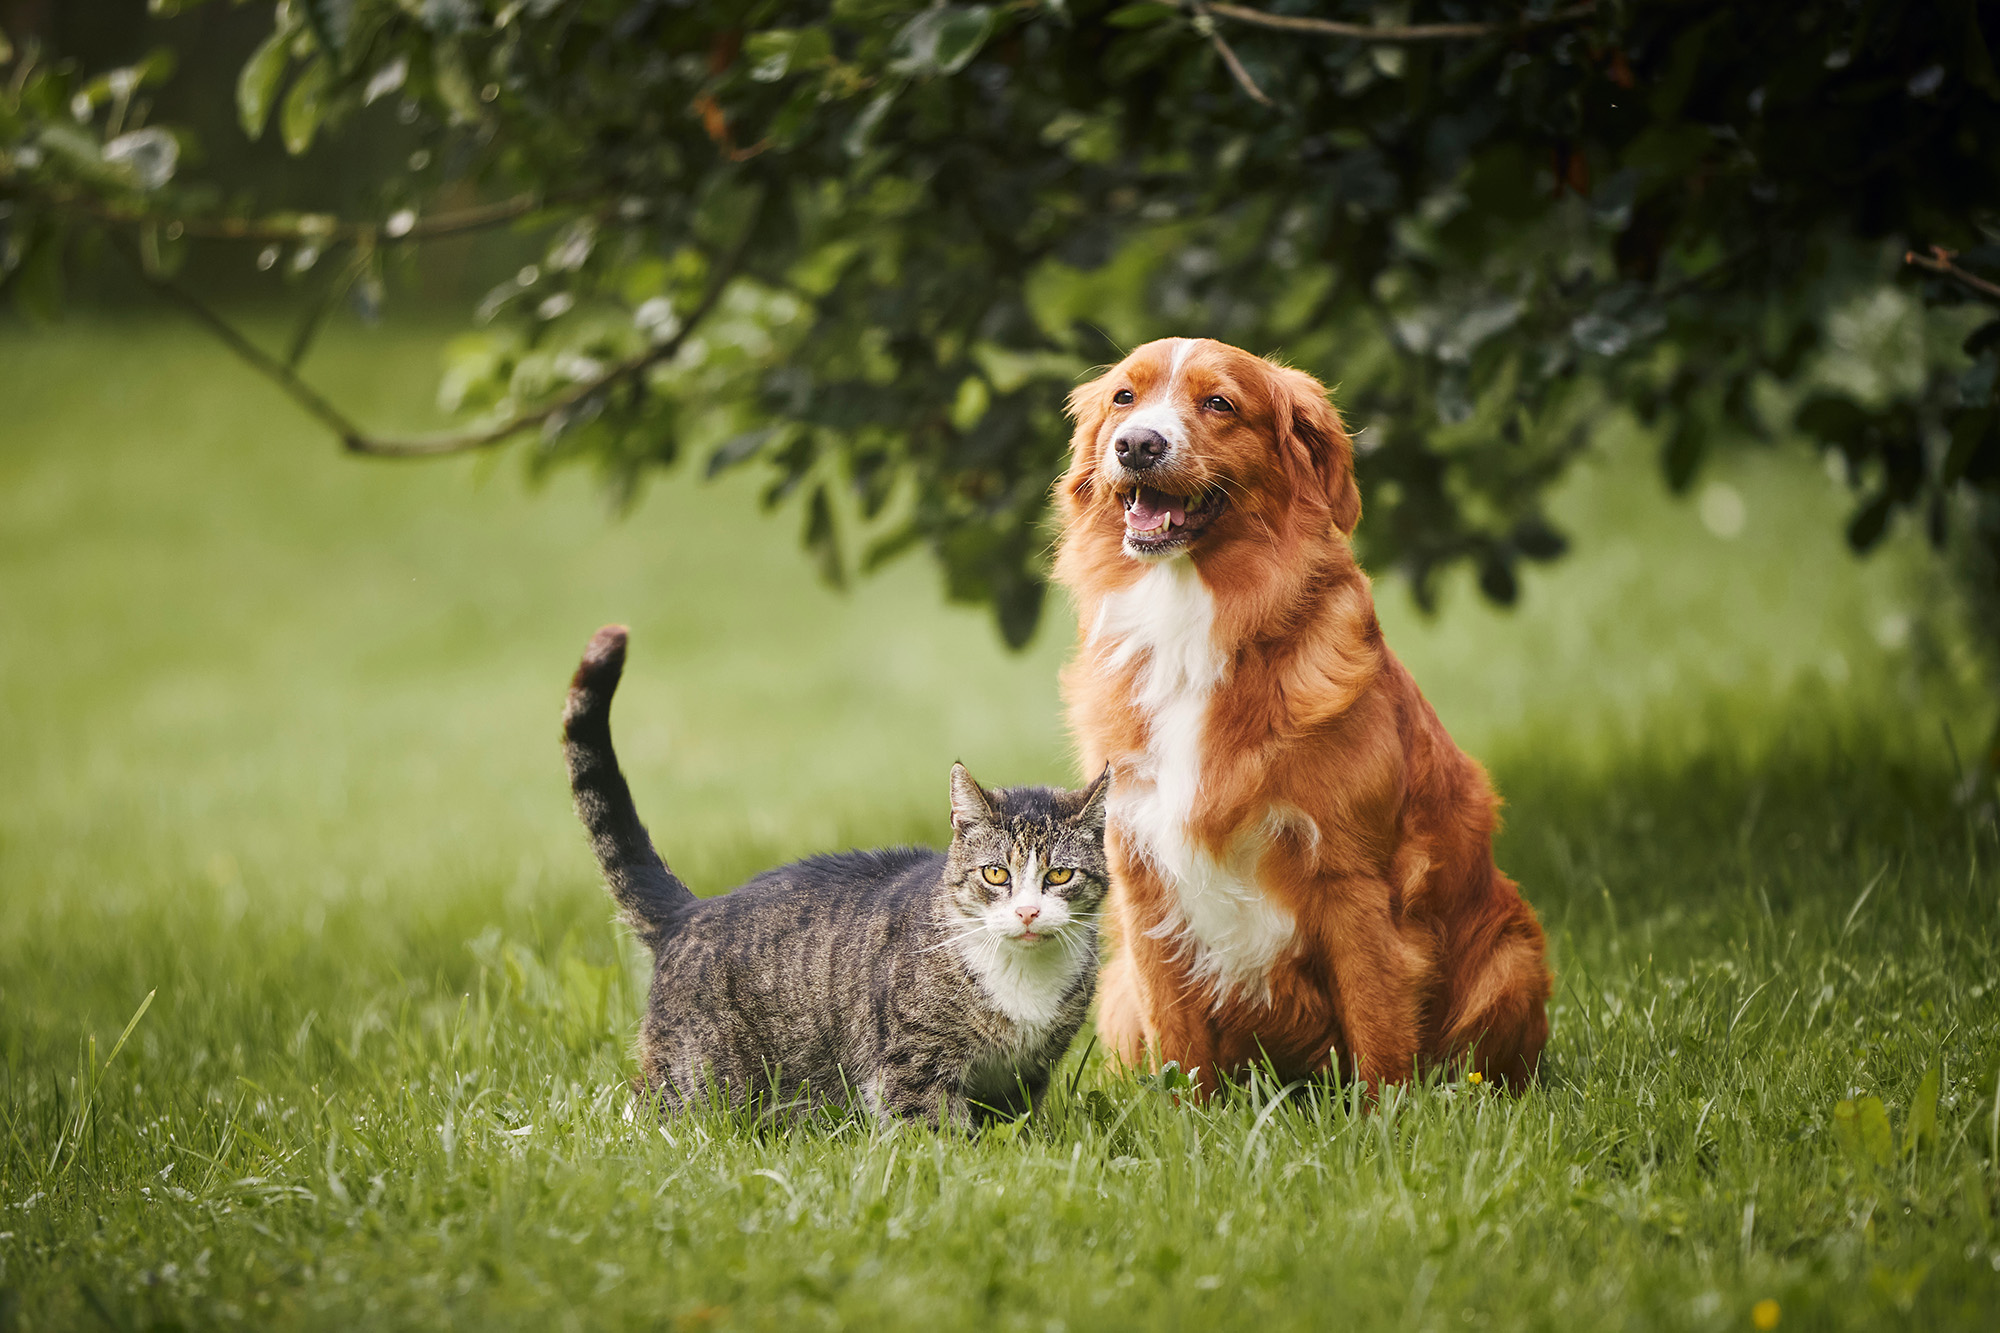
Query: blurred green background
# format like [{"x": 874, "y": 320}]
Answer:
[{"x": 231, "y": 650}]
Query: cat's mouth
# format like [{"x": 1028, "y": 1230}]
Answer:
[{"x": 1157, "y": 522}]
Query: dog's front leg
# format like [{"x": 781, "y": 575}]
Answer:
[
  {"x": 1383, "y": 973},
  {"x": 1123, "y": 1023}
]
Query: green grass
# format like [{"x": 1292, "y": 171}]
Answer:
[{"x": 277, "y": 747}]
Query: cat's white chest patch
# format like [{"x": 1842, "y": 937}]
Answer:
[
  {"x": 1231, "y": 929},
  {"x": 1026, "y": 985}
]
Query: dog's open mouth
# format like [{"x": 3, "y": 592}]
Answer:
[{"x": 1156, "y": 521}]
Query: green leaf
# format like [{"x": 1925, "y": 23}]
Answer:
[
  {"x": 1969, "y": 429},
  {"x": 1847, "y": 1132},
  {"x": 1833, "y": 419},
  {"x": 38, "y": 283},
  {"x": 1682, "y": 456},
  {"x": 79, "y": 151},
  {"x": 330, "y": 22},
  {"x": 941, "y": 40},
  {"x": 1869, "y": 522},
  {"x": 304, "y": 106},
  {"x": 454, "y": 82},
  {"x": 821, "y": 539},
  {"x": 1862, "y": 1126},
  {"x": 257, "y": 85},
  {"x": 890, "y": 545},
  {"x": 783, "y": 51},
  {"x": 739, "y": 449},
  {"x": 1978, "y": 57},
  {"x": 1141, "y": 15},
  {"x": 862, "y": 131},
  {"x": 1921, "y": 1133}
]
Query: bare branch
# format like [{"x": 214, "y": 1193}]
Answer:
[
  {"x": 256, "y": 357},
  {"x": 1206, "y": 23},
  {"x": 1408, "y": 32},
  {"x": 1939, "y": 260},
  {"x": 313, "y": 228},
  {"x": 357, "y": 441}
]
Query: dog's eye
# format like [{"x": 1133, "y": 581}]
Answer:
[
  {"x": 1122, "y": 397},
  {"x": 1215, "y": 402},
  {"x": 1063, "y": 876},
  {"x": 994, "y": 874}
]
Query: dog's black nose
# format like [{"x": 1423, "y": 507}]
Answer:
[{"x": 1139, "y": 447}]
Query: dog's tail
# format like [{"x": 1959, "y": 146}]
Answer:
[{"x": 652, "y": 897}]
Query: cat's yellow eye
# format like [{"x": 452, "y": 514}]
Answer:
[
  {"x": 994, "y": 874},
  {"x": 1062, "y": 876}
]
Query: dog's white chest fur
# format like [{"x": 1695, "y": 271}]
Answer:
[{"x": 1233, "y": 931}]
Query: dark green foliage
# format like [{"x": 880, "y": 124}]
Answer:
[{"x": 935, "y": 219}]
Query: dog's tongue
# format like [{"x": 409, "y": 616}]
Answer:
[{"x": 1150, "y": 507}]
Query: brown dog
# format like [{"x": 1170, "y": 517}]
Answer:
[{"x": 1302, "y": 864}]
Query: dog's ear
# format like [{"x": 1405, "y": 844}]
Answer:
[
  {"x": 1087, "y": 406},
  {"x": 1316, "y": 447}
]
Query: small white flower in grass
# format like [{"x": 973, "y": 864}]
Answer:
[
  {"x": 400, "y": 222},
  {"x": 520, "y": 1133},
  {"x": 1208, "y": 1282}
]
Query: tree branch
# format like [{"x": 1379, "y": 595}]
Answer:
[
  {"x": 1408, "y": 32},
  {"x": 1228, "y": 54},
  {"x": 256, "y": 357},
  {"x": 1939, "y": 260},
  {"x": 433, "y": 446},
  {"x": 310, "y": 227},
  {"x": 357, "y": 441}
]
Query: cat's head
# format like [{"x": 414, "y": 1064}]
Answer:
[{"x": 1026, "y": 864}]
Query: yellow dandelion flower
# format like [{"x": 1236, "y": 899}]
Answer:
[
  {"x": 1475, "y": 1077},
  {"x": 1764, "y": 1315}
]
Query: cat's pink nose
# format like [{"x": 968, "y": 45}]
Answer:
[{"x": 1027, "y": 912}]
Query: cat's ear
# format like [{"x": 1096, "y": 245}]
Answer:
[
  {"x": 969, "y": 804},
  {"x": 1090, "y": 812}
]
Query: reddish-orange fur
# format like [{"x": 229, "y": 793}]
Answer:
[{"x": 1410, "y": 947}]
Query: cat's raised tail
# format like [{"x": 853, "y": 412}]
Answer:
[{"x": 651, "y": 895}]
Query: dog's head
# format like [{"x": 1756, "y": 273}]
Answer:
[{"x": 1189, "y": 444}]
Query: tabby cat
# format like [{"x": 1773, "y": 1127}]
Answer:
[{"x": 915, "y": 983}]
